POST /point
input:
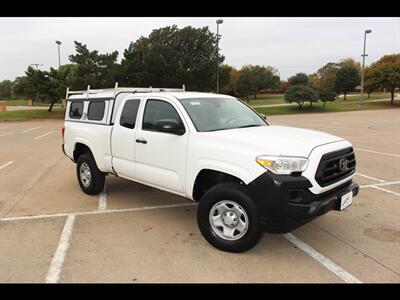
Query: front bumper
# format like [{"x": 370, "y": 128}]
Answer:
[{"x": 285, "y": 202}]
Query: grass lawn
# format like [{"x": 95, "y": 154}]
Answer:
[
  {"x": 21, "y": 115},
  {"x": 330, "y": 107},
  {"x": 267, "y": 99},
  {"x": 16, "y": 102}
]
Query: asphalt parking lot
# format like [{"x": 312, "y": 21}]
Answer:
[{"x": 50, "y": 231}]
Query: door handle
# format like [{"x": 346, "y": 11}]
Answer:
[{"x": 143, "y": 141}]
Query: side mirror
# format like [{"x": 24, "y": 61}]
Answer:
[
  {"x": 264, "y": 116},
  {"x": 170, "y": 126}
]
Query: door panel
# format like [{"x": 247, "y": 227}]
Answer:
[
  {"x": 123, "y": 139},
  {"x": 162, "y": 160}
]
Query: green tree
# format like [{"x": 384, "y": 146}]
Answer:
[
  {"x": 350, "y": 62},
  {"x": 59, "y": 80},
  {"x": 385, "y": 74},
  {"x": 228, "y": 87},
  {"x": 298, "y": 79},
  {"x": 24, "y": 88},
  {"x": 325, "y": 96},
  {"x": 224, "y": 76},
  {"x": 370, "y": 85},
  {"x": 323, "y": 87},
  {"x": 283, "y": 86},
  {"x": 326, "y": 76},
  {"x": 347, "y": 78},
  {"x": 301, "y": 94},
  {"x": 170, "y": 57},
  {"x": 252, "y": 79},
  {"x": 94, "y": 69},
  {"x": 47, "y": 86},
  {"x": 6, "y": 87},
  {"x": 313, "y": 80}
]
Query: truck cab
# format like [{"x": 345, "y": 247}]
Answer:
[{"x": 247, "y": 175}]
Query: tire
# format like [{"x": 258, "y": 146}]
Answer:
[
  {"x": 94, "y": 184},
  {"x": 219, "y": 202}
]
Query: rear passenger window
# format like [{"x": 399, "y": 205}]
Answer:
[
  {"x": 76, "y": 109},
  {"x": 129, "y": 113},
  {"x": 96, "y": 110}
]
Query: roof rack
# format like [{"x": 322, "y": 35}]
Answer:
[{"x": 117, "y": 89}]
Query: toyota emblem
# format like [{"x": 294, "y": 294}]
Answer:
[{"x": 343, "y": 164}]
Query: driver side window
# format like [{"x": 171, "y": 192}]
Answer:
[{"x": 158, "y": 110}]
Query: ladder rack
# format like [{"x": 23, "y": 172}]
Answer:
[{"x": 117, "y": 89}]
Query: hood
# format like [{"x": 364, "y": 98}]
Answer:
[{"x": 276, "y": 139}]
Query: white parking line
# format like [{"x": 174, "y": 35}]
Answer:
[
  {"x": 383, "y": 153},
  {"x": 31, "y": 129},
  {"x": 103, "y": 199},
  {"x": 5, "y": 134},
  {"x": 95, "y": 212},
  {"x": 6, "y": 164},
  {"x": 56, "y": 264},
  {"x": 369, "y": 177},
  {"x": 386, "y": 190},
  {"x": 43, "y": 135},
  {"x": 380, "y": 184},
  {"x": 327, "y": 263}
]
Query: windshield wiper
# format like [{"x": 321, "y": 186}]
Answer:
[
  {"x": 251, "y": 125},
  {"x": 218, "y": 129}
]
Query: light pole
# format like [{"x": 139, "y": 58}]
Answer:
[
  {"x": 219, "y": 21},
  {"x": 59, "y": 59},
  {"x": 362, "y": 70}
]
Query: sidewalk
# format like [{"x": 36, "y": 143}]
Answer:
[{"x": 15, "y": 108}]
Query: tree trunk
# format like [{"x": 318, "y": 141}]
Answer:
[
  {"x": 310, "y": 103},
  {"x": 324, "y": 105},
  {"x": 300, "y": 105},
  {"x": 255, "y": 95},
  {"x": 392, "y": 96},
  {"x": 369, "y": 94},
  {"x": 344, "y": 96},
  {"x": 51, "y": 106}
]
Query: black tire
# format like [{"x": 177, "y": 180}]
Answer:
[
  {"x": 238, "y": 194},
  {"x": 96, "y": 182}
]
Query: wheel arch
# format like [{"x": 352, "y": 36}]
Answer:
[
  {"x": 207, "y": 178},
  {"x": 80, "y": 148}
]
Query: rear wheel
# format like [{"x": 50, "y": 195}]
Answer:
[
  {"x": 228, "y": 218},
  {"x": 90, "y": 178}
]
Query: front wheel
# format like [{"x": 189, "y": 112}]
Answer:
[
  {"x": 228, "y": 218},
  {"x": 90, "y": 178}
]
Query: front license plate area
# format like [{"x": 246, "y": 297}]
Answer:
[{"x": 346, "y": 200}]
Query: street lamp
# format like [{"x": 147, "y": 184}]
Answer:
[
  {"x": 219, "y": 21},
  {"x": 59, "y": 59},
  {"x": 362, "y": 70}
]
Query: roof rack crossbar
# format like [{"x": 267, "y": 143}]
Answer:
[{"x": 117, "y": 89}]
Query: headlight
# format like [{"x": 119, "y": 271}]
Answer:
[{"x": 282, "y": 164}]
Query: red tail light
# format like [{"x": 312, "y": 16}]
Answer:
[{"x": 62, "y": 131}]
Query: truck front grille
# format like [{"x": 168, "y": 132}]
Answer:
[{"x": 335, "y": 166}]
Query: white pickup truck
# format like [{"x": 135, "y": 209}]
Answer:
[{"x": 247, "y": 176}]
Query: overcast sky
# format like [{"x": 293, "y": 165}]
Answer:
[{"x": 290, "y": 44}]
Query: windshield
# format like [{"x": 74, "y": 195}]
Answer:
[{"x": 211, "y": 114}]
